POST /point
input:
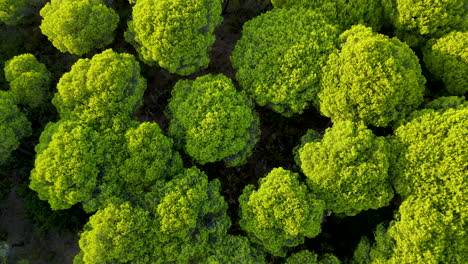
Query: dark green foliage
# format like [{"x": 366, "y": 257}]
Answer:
[
  {"x": 281, "y": 213},
  {"x": 29, "y": 80},
  {"x": 341, "y": 12},
  {"x": 447, "y": 59},
  {"x": 213, "y": 121},
  {"x": 95, "y": 89},
  {"x": 175, "y": 34},
  {"x": 78, "y": 26},
  {"x": 348, "y": 168},
  {"x": 13, "y": 126},
  {"x": 416, "y": 21},
  {"x": 303, "y": 256},
  {"x": 280, "y": 56},
  {"x": 373, "y": 78},
  {"x": 235, "y": 249},
  {"x": 12, "y": 12}
]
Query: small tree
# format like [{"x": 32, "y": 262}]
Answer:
[
  {"x": 96, "y": 89},
  {"x": 348, "y": 168},
  {"x": 373, "y": 78},
  {"x": 78, "y": 26},
  {"x": 213, "y": 121},
  {"x": 342, "y": 12},
  {"x": 447, "y": 59},
  {"x": 13, "y": 126},
  {"x": 66, "y": 171},
  {"x": 116, "y": 234},
  {"x": 235, "y": 249},
  {"x": 416, "y": 21},
  {"x": 175, "y": 34},
  {"x": 280, "y": 56},
  {"x": 281, "y": 213},
  {"x": 29, "y": 80}
]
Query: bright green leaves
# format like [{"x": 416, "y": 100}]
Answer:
[
  {"x": 95, "y": 89},
  {"x": 447, "y": 59},
  {"x": 66, "y": 171},
  {"x": 280, "y": 56},
  {"x": 116, "y": 234},
  {"x": 212, "y": 120},
  {"x": 348, "y": 168},
  {"x": 417, "y": 20},
  {"x": 235, "y": 249},
  {"x": 150, "y": 155},
  {"x": 78, "y": 26},
  {"x": 434, "y": 151},
  {"x": 13, "y": 126},
  {"x": 373, "y": 78},
  {"x": 341, "y": 12},
  {"x": 281, "y": 212},
  {"x": 175, "y": 34},
  {"x": 29, "y": 80}
]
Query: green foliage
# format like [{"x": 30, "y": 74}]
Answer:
[
  {"x": 29, "y": 80},
  {"x": 190, "y": 216},
  {"x": 341, "y": 12},
  {"x": 235, "y": 249},
  {"x": 78, "y": 26},
  {"x": 213, "y": 121},
  {"x": 12, "y": 12},
  {"x": 65, "y": 172},
  {"x": 373, "y": 78},
  {"x": 280, "y": 56},
  {"x": 348, "y": 168},
  {"x": 150, "y": 156},
  {"x": 418, "y": 20},
  {"x": 301, "y": 257},
  {"x": 116, "y": 234},
  {"x": 430, "y": 230},
  {"x": 447, "y": 59},
  {"x": 13, "y": 126},
  {"x": 310, "y": 136},
  {"x": 95, "y": 89},
  {"x": 433, "y": 149},
  {"x": 281, "y": 212},
  {"x": 175, "y": 34},
  {"x": 379, "y": 251}
]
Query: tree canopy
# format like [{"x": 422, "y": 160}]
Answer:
[
  {"x": 447, "y": 59},
  {"x": 208, "y": 113},
  {"x": 29, "y": 80},
  {"x": 341, "y": 12},
  {"x": 12, "y": 12},
  {"x": 78, "y": 26},
  {"x": 174, "y": 34},
  {"x": 13, "y": 126},
  {"x": 281, "y": 213},
  {"x": 348, "y": 168},
  {"x": 372, "y": 78},
  {"x": 109, "y": 84},
  {"x": 280, "y": 56}
]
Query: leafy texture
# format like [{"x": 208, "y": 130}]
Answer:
[
  {"x": 447, "y": 59},
  {"x": 212, "y": 120},
  {"x": 78, "y": 26},
  {"x": 66, "y": 170},
  {"x": 175, "y": 34},
  {"x": 235, "y": 249},
  {"x": 303, "y": 256},
  {"x": 190, "y": 216},
  {"x": 29, "y": 80},
  {"x": 418, "y": 20},
  {"x": 373, "y": 78},
  {"x": 13, "y": 126},
  {"x": 12, "y": 12},
  {"x": 348, "y": 168},
  {"x": 116, "y": 234},
  {"x": 281, "y": 213},
  {"x": 280, "y": 56},
  {"x": 95, "y": 89},
  {"x": 341, "y": 12}
]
